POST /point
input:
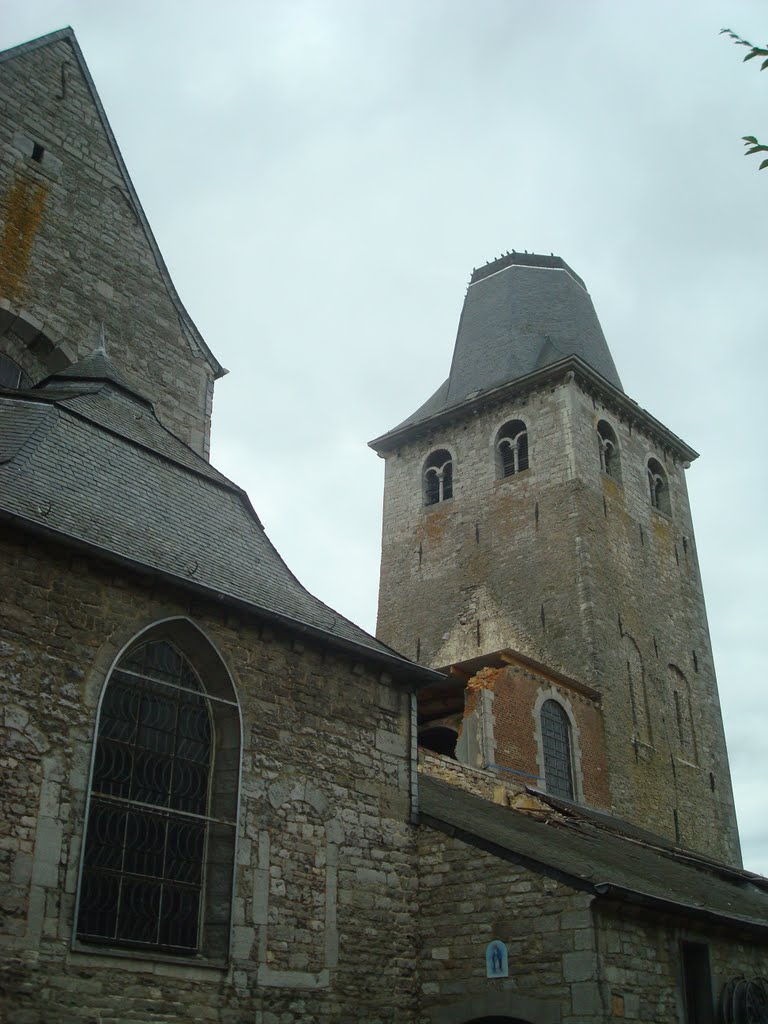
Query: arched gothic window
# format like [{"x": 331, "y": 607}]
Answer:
[
  {"x": 160, "y": 841},
  {"x": 511, "y": 449},
  {"x": 11, "y": 375},
  {"x": 558, "y": 758},
  {"x": 610, "y": 462},
  {"x": 657, "y": 486},
  {"x": 438, "y": 477}
]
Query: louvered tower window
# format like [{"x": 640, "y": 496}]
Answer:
[
  {"x": 150, "y": 819},
  {"x": 556, "y": 740}
]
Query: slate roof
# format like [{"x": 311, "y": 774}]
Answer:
[
  {"x": 84, "y": 459},
  {"x": 67, "y": 35},
  {"x": 581, "y": 853},
  {"x": 521, "y": 313}
]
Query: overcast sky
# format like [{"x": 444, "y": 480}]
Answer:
[{"x": 323, "y": 176}]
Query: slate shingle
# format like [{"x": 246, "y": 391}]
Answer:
[
  {"x": 521, "y": 313},
  {"x": 597, "y": 859},
  {"x": 86, "y": 457}
]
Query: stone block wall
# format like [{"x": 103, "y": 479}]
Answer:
[
  {"x": 467, "y": 897},
  {"x": 645, "y": 611},
  {"x": 640, "y": 962},
  {"x": 325, "y": 881},
  {"x": 75, "y": 254},
  {"x": 576, "y": 570}
]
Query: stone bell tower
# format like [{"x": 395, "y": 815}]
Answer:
[{"x": 533, "y": 511}]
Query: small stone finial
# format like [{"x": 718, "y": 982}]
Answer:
[{"x": 102, "y": 344}]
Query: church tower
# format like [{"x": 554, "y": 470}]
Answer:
[{"x": 537, "y": 530}]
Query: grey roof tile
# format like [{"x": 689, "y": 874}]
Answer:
[
  {"x": 521, "y": 313},
  {"x": 598, "y": 859},
  {"x": 89, "y": 461}
]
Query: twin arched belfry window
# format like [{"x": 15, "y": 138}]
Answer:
[
  {"x": 438, "y": 477},
  {"x": 160, "y": 840},
  {"x": 511, "y": 449}
]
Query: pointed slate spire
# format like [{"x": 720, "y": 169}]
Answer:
[{"x": 522, "y": 312}]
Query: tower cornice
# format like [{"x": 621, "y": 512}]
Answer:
[{"x": 571, "y": 368}]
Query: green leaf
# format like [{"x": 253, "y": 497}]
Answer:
[
  {"x": 764, "y": 65},
  {"x": 750, "y": 138},
  {"x": 756, "y": 149},
  {"x": 763, "y": 165}
]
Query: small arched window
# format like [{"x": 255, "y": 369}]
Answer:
[
  {"x": 11, "y": 375},
  {"x": 511, "y": 449},
  {"x": 160, "y": 841},
  {"x": 558, "y": 758},
  {"x": 658, "y": 487},
  {"x": 438, "y": 477},
  {"x": 610, "y": 463}
]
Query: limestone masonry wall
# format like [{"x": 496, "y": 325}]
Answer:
[
  {"x": 576, "y": 570},
  {"x": 325, "y": 782},
  {"x": 74, "y": 254}
]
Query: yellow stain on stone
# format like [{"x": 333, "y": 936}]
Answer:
[
  {"x": 22, "y": 211},
  {"x": 485, "y": 679}
]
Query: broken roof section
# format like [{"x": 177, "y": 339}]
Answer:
[
  {"x": 194, "y": 337},
  {"x": 522, "y": 313},
  {"x": 583, "y": 852},
  {"x": 85, "y": 462}
]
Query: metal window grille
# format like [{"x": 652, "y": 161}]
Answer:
[
  {"x": 11, "y": 375},
  {"x": 556, "y": 737},
  {"x": 148, "y": 817}
]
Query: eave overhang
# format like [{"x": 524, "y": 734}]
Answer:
[
  {"x": 588, "y": 379},
  {"x": 402, "y": 671}
]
